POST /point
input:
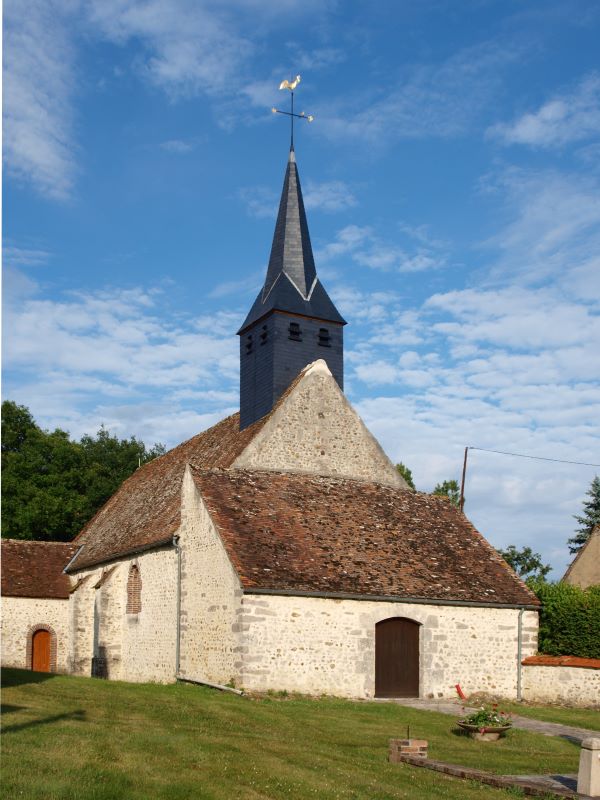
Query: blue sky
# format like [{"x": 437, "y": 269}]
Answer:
[{"x": 451, "y": 178}]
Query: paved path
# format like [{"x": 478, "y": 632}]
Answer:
[{"x": 525, "y": 723}]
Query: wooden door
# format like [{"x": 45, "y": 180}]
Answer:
[
  {"x": 40, "y": 651},
  {"x": 397, "y": 658}
]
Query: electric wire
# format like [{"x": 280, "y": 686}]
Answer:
[{"x": 537, "y": 458}]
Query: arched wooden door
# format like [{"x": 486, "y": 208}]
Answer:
[
  {"x": 397, "y": 658},
  {"x": 40, "y": 651}
]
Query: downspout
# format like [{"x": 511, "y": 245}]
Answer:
[
  {"x": 178, "y": 604},
  {"x": 519, "y": 654}
]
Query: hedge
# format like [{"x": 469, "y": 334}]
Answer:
[{"x": 569, "y": 619}]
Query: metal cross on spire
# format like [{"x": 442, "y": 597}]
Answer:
[{"x": 291, "y": 86}]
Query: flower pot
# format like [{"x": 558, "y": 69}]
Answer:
[{"x": 483, "y": 733}]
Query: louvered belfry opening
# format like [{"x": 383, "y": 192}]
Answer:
[{"x": 293, "y": 319}]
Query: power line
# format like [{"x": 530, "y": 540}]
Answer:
[{"x": 537, "y": 458}]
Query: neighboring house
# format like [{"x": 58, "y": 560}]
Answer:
[
  {"x": 35, "y": 604},
  {"x": 281, "y": 549},
  {"x": 584, "y": 570}
]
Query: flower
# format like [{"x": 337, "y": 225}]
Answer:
[{"x": 488, "y": 717}]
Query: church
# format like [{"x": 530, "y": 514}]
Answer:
[{"x": 280, "y": 549}]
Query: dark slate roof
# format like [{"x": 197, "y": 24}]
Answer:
[
  {"x": 302, "y": 533},
  {"x": 145, "y": 510},
  {"x": 35, "y": 569},
  {"x": 291, "y": 284}
]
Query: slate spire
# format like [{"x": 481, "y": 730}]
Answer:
[
  {"x": 291, "y": 283},
  {"x": 293, "y": 321}
]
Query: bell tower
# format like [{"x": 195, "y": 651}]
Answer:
[{"x": 293, "y": 321}]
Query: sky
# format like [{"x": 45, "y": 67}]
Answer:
[{"x": 452, "y": 184}]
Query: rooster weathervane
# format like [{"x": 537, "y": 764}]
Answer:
[{"x": 291, "y": 86}]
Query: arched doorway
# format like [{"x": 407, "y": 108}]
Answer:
[
  {"x": 41, "y": 651},
  {"x": 397, "y": 658}
]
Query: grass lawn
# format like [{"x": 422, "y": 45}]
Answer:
[
  {"x": 67, "y": 737},
  {"x": 578, "y": 717}
]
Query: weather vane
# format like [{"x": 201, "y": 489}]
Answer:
[{"x": 291, "y": 85}]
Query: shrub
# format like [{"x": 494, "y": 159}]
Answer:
[{"x": 569, "y": 619}]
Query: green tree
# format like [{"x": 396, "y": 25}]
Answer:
[
  {"x": 589, "y": 519},
  {"x": 406, "y": 474},
  {"x": 109, "y": 461},
  {"x": 51, "y": 485},
  {"x": 525, "y": 562},
  {"x": 449, "y": 489}
]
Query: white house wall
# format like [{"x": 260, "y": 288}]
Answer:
[
  {"x": 327, "y": 646},
  {"x": 20, "y": 615},
  {"x": 316, "y": 430},
  {"x": 210, "y": 596},
  {"x": 137, "y": 647}
]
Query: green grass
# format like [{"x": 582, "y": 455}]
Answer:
[
  {"x": 577, "y": 717},
  {"x": 71, "y": 738}
]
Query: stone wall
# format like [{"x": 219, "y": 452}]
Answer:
[
  {"x": 316, "y": 430},
  {"x": 327, "y": 646},
  {"x": 210, "y": 596},
  {"x": 560, "y": 683},
  {"x": 132, "y": 647},
  {"x": 20, "y": 615}
]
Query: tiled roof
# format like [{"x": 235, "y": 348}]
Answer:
[
  {"x": 35, "y": 569},
  {"x": 145, "y": 510},
  {"x": 304, "y": 533}
]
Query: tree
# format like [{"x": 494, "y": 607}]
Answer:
[
  {"x": 525, "y": 562},
  {"x": 52, "y": 485},
  {"x": 449, "y": 489},
  {"x": 406, "y": 474},
  {"x": 589, "y": 519}
]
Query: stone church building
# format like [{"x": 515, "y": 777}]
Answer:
[{"x": 281, "y": 549}]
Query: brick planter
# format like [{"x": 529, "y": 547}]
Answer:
[{"x": 416, "y": 748}]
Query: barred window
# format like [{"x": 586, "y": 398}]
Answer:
[{"x": 134, "y": 590}]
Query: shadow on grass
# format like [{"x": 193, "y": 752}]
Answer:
[
  {"x": 17, "y": 677},
  {"x": 78, "y": 715},
  {"x": 7, "y": 709}
]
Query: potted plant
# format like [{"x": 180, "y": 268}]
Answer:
[{"x": 487, "y": 723}]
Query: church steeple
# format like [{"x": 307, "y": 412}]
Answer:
[{"x": 293, "y": 321}]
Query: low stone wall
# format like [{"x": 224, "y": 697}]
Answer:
[{"x": 562, "y": 679}]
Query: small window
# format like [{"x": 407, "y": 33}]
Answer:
[
  {"x": 324, "y": 337},
  {"x": 249, "y": 344},
  {"x": 263, "y": 334},
  {"x": 294, "y": 332},
  {"x": 134, "y": 590}
]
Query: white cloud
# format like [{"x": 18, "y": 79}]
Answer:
[
  {"x": 426, "y": 100},
  {"x": 13, "y": 256},
  {"x": 260, "y": 202},
  {"x": 39, "y": 85},
  {"x": 319, "y": 58},
  {"x": 250, "y": 284},
  {"x": 187, "y": 47},
  {"x": 92, "y": 347},
  {"x": 569, "y": 117},
  {"x": 179, "y": 147},
  {"x": 367, "y": 249},
  {"x": 328, "y": 196},
  {"x": 553, "y": 231}
]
